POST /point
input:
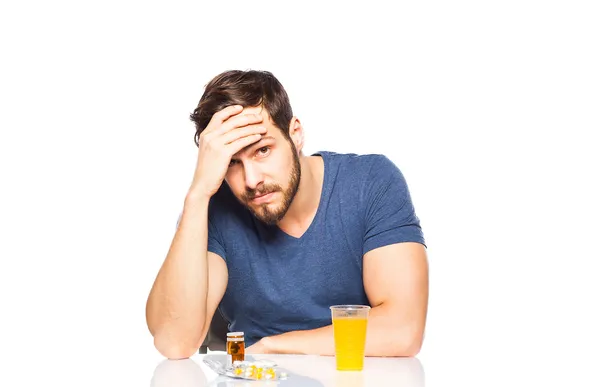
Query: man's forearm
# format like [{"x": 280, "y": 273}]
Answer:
[
  {"x": 386, "y": 336},
  {"x": 176, "y": 305}
]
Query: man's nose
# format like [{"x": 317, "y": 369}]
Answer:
[{"x": 253, "y": 176}]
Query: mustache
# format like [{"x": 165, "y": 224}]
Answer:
[{"x": 262, "y": 190}]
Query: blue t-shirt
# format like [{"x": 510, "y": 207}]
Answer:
[{"x": 279, "y": 283}]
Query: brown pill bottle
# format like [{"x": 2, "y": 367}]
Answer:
[{"x": 235, "y": 347}]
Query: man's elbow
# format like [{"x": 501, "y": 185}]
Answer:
[
  {"x": 174, "y": 350},
  {"x": 413, "y": 348},
  {"x": 409, "y": 345}
]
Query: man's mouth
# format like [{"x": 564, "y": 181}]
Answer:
[{"x": 262, "y": 198}]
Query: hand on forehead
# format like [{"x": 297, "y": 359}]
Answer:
[
  {"x": 272, "y": 130},
  {"x": 259, "y": 111}
]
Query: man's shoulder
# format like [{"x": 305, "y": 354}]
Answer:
[{"x": 358, "y": 165}]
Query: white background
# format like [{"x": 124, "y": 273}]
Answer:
[{"x": 488, "y": 108}]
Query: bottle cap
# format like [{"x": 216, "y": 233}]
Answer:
[{"x": 235, "y": 336}]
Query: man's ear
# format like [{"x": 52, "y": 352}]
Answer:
[{"x": 296, "y": 132}]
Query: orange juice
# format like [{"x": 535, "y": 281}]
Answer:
[{"x": 350, "y": 335}]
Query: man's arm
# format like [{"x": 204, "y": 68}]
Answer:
[
  {"x": 396, "y": 281},
  {"x": 183, "y": 300}
]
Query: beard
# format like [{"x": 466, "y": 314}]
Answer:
[{"x": 264, "y": 213}]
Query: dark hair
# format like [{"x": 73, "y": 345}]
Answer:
[{"x": 247, "y": 88}]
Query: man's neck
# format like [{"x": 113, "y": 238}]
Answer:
[{"x": 306, "y": 202}]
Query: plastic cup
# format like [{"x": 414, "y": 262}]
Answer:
[{"x": 350, "y": 335}]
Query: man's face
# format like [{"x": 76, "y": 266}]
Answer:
[{"x": 265, "y": 176}]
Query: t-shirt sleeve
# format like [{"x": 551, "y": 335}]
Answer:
[
  {"x": 390, "y": 215},
  {"x": 214, "y": 239}
]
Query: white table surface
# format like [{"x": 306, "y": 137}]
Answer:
[{"x": 304, "y": 370}]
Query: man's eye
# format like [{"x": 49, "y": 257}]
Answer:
[{"x": 264, "y": 150}]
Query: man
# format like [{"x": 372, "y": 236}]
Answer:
[{"x": 273, "y": 237}]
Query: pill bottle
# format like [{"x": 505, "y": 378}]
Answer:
[{"x": 235, "y": 347}]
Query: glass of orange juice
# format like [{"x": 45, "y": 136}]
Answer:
[{"x": 350, "y": 335}]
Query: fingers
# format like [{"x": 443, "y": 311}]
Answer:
[
  {"x": 238, "y": 122},
  {"x": 239, "y": 144},
  {"x": 244, "y": 131},
  {"x": 222, "y": 115},
  {"x": 231, "y": 116}
]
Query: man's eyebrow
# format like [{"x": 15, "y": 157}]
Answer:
[{"x": 263, "y": 138}]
